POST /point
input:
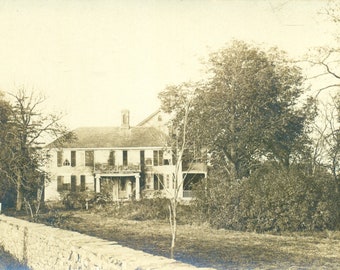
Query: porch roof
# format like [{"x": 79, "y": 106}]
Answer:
[{"x": 115, "y": 137}]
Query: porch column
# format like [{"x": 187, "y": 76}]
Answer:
[
  {"x": 97, "y": 179},
  {"x": 137, "y": 187}
]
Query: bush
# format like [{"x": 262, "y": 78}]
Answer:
[
  {"x": 77, "y": 200},
  {"x": 271, "y": 199},
  {"x": 54, "y": 218},
  {"x": 150, "y": 209},
  {"x": 145, "y": 209}
]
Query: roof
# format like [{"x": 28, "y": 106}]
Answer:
[
  {"x": 149, "y": 118},
  {"x": 116, "y": 137}
]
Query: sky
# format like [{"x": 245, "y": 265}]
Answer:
[{"x": 91, "y": 59}]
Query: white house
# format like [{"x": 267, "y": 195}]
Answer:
[{"x": 125, "y": 162}]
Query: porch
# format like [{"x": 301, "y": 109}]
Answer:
[
  {"x": 107, "y": 168},
  {"x": 193, "y": 174},
  {"x": 118, "y": 186}
]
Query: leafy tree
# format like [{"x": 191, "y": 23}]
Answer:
[
  {"x": 249, "y": 109},
  {"x": 6, "y": 189},
  {"x": 28, "y": 128}
]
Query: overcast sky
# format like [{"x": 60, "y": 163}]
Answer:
[{"x": 94, "y": 58}]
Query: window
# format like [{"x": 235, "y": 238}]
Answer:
[
  {"x": 89, "y": 158},
  {"x": 111, "y": 161},
  {"x": 125, "y": 158},
  {"x": 73, "y": 183},
  {"x": 73, "y": 158},
  {"x": 66, "y": 163},
  {"x": 158, "y": 158},
  {"x": 61, "y": 185},
  {"x": 82, "y": 183},
  {"x": 158, "y": 182},
  {"x": 59, "y": 158}
]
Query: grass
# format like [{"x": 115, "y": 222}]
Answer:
[
  {"x": 143, "y": 225},
  {"x": 203, "y": 246}
]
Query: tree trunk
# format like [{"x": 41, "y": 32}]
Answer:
[
  {"x": 19, "y": 200},
  {"x": 173, "y": 225}
]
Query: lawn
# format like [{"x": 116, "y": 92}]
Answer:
[{"x": 203, "y": 246}]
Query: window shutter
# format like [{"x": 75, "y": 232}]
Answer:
[
  {"x": 73, "y": 183},
  {"x": 60, "y": 183},
  {"x": 125, "y": 158},
  {"x": 111, "y": 160},
  {"x": 59, "y": 158},
  {"x": 82, "y": 183},
  {"x": 73, "y": 158}
]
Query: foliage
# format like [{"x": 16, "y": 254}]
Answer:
[
  {"x": 54, "y": 218},
  {"x": 76, "y": 200},
  {"x": 251, "y": 109},
  {"x": 248, "y": 109},
  {"x": 7, "y": 190},
  {"x": 22, "y": 157},
  {"x": 327, "y": 138},
  {"x": 272, "y": 199},
  {"x": 149, "y": 209},
  {"x": 178, "y": 101}
]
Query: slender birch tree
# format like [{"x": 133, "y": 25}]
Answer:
[{"x": 177, "y": 101}]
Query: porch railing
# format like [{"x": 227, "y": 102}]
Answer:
[{"x": 106, "y": 168}]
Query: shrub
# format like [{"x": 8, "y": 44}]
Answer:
[
  {"x": 146, "y": 209},
  {"x": 150, "y": 209},
  {"x": 76, "y": 200},
  {"x": 271, "y": 199}
]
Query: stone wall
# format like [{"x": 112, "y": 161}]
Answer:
[{"x": 44, "y": 247}]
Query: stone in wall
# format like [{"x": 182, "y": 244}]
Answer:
[{"x": 43, "y": 247}]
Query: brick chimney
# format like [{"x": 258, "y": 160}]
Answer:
[{"x": 125, "y": 119}]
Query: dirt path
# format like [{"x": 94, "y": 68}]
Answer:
[{"x": 221, "y": 249}]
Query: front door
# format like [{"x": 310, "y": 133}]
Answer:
[{"x": 115, "y": 190}]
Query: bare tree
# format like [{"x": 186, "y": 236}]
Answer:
[
  {"x": 324, "y": 65},
  {"x": 327, "y": 138},
  {"x": 325, "y": 60},
  {"x": 177, "y": 100},
  {"x": 29, "y": 129}
]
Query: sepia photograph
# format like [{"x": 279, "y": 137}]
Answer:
[{"x": 184, "y": 134}]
